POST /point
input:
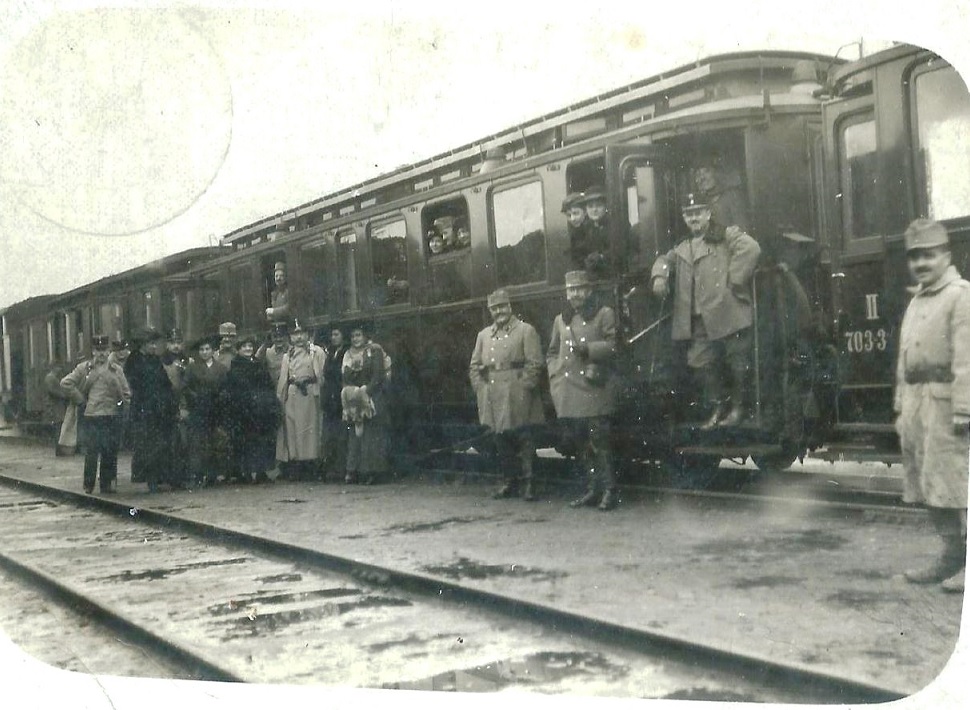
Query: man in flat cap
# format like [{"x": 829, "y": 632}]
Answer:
[
  {"x": 932, "y": 399},
  {"x": 227, "y": 344},
  {"x": 505, "y": 367},
  {"x": 714, "y": 268},
  {"x": 584, "y": 386},
  {"x": 279, "y": 298}
]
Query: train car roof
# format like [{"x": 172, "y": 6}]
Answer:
[
  {"x": 27, "y": 307},
  {"x": 662, "y": 82},
  {"x": 845, "y": 73}
]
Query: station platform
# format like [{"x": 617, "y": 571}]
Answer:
[{"x": 785, "y": 579}]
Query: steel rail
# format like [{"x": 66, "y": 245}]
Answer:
[{"x": 818, "y": 686}]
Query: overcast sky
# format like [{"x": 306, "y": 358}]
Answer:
[{"x": 127, "y": 135}]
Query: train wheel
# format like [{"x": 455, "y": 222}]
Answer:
[
  {"x": 692, "y": 471},
  {"x": 775, "y": 462}
]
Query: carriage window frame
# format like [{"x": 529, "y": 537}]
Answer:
[
  {"x": 525, "y": 183},
  {"x": 848, "y": 194},
  {"x": 319, "y": 298},
  {"x": 922, "y": 181},
  {"x": 348, "y": 295},
  {"x": 393, "y": 290}
]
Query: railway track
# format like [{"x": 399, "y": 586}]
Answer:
[{"x": 226, "y": 605}]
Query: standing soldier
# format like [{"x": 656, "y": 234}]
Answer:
[
  {"x": 99, "y": 388},
  {"x": 279, "y": 299},
  {"x": 933, "y": 398},
  {"x": 272, "y": 355},
  {"x": 584, "y": 387},
  {"x": 298, "y": 390},
  {"x": 504, "y": 371},
  {"x": 713, "y": 308},
  {"x": 227, "y": 344}
]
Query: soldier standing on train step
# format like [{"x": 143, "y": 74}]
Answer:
[
  {"x": 932, "y": 398},
  {"x": 584, "y": 386},
  {"x": 279, "y": 310},
  {"x": 504, "y": 370},
  {"x": 714, "y": 268}
]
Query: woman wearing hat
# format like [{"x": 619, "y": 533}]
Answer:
[
  {"x": 252, "y": 414},
  {"x": 99, "y": 388},
  {"x": 204, "y": 379},
  {"x": 363, "y": 373}
]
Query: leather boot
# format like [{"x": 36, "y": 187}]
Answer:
[
  {"x": 953, "y": 557},
  {"x": 528, "y": 489},
  {"x": 589, "y": 497},
  {"x": 739, "y": 409},
  {"x": 714, "y": 395}
]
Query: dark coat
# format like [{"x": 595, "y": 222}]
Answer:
[
  {"x": 201, "y": 392},
  {"x": 330, "y": 397},
  {"x": 583, "y": 386},
  {"x": 252, "y": 414},
  {"x": 152, "y": 394}
]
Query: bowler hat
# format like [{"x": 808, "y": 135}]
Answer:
[
  {"x": 498, "y": 298},
  {"x": 100, "y": 342},
  {"x": 227, "y": 329},
  {"x": 924, "y": 233},
  {"x": 577, "y": 278}
]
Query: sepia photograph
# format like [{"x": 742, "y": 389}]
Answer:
[{"x": 414, "y": 353}]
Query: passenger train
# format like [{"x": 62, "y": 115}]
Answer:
[{"x": 831, "y": 159}]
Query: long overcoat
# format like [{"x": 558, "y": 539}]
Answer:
[
  {"x": 253, "y": 414},
  {"x": 583, "y": 386},
  {"x": 504, "y": 371},
  {"x": 933, "y": 385},
  {"x": 298, "y": 390},
  {"x": 722, "y": 270}
]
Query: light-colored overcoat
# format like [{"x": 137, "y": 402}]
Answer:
[
  {"x": 574, "y": 393},
  {"x": 300, "y": 435},
  {"x": 933, "y": 385},
  {"x": 722, "y": 271},
  {"x": 504, "y": 371}
]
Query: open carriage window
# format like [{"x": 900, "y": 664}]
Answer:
[
  {"x": 860, "y": 184},
  {"x": 389, "y": 262},
  {"x": 520, "y": 239},
  {"x": 448, "y": 248}
]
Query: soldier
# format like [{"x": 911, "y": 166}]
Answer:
[
  {"x": 714, "y": 268},
  {"x": 298, "y": 390},
  {"x": 932, "y": 399},
  {"x": 99, "y": 387},
  {"x": 279, "y": 310},
  {"x": 584, "y": 387},
  {"x": 227, "y": 344},
  {"x": 504, "y": 371}
]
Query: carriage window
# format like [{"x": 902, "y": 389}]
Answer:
[
  {"x": 860, "y": 185},
  {"x": 109, "y": 321},
  {"x": 316, "y": 261},
  {"x": 520, "y": 239},
  {"x": 389, "y": 263},
  {"x": 448, "y": 241},
  {"x": 346, "y": 243},
  {"x": 585, "y": 173},
  {"x": 239, "y": 287},
  {"x": 642, "y": 215},
  {"x": 943, "y": 162}
]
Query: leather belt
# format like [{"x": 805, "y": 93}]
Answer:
[{"x": 921, "y": 376}]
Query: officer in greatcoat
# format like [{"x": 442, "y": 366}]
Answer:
[
  {"x": 279, "y": 309},
  {"x": 584, "y": 385},
  {"x": 298, "y": 389},
  {"x": 504, "y": 370},
  {"x": 713, "y": 270},
  {"x": 932, "y": 399}
]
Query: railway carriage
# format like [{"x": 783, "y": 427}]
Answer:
[{"x": 828, "y": 160}]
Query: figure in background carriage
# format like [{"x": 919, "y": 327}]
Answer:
[{"x": 279, "y": 310}]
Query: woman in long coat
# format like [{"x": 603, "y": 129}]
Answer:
[
  {"x": 204, "y": 380},
  {"x": 363, "y": 374},
  {"x": 253, "y": 414}
]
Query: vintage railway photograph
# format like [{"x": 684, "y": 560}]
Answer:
[{"x": 377, "y": 355}]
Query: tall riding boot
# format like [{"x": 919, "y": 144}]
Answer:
[
  {"x": 714, "y": 394},
  {"x": 739, "y": 389},
  {"x": 507, "y": 468},
  {"x": 528, "y": 487},
  {"x": 953, "y": 557},
  {"x": 589, "y": 497},
  {"x": 607, "y": 474}
]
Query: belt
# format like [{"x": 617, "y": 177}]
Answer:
[
  {"x": 303, "y": 380},
  {"x": 516, "y": 365},
  {"x": 925, "y": 375}
]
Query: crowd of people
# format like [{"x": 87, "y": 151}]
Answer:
[{"x": 234, "y": 408}]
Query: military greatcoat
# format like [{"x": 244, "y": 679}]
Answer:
[
  {"x": 583, "y": 386},
  {"x": 504, "y": 371},
  {"x": 932, "y": 386},
  {"x": 713, "y": 279}
]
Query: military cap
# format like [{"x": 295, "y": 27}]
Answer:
[
  {"x": 174, "y": 335},
  {"x": 596, "y": 192},
  {"x": 444, "y": 222},
  {"x": 498, "y": 298},
  {"x": 279, "y": 266},
  {"x": 577, "y": 278},
  {"x": 924, "y": 233},
  {"x": 100, "y": 342},
  {"x": 297, "y": 328},
  {"x": 227, "y": 329},
  {"x": 118, "y": 345},
  {"x": 693, "y": 201},
  {"x": 280, "y": 330},
  {"x": 573, "y": 199}
]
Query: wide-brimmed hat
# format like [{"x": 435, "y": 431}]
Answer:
[
  {"x": 594, "y": 193},
  {"x": 573, "y": 199},
  {"x": 925, "y": 233},
  {"x": 577, "y": 278}
]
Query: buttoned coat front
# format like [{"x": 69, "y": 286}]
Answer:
[
  {"x": 579, "y": 390},
  {"x": 504, "y": 370},
  {"x": 723, "y": 272},
  {"x": 933, "y": 385}
]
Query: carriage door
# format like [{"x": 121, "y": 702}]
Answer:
[{"x": 637, "y": 199}]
